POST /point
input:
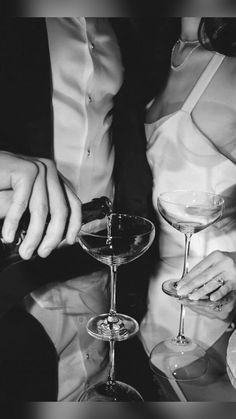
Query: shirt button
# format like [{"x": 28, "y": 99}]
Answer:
[
  {"x": 87, "y": 356},
  {"x": 88, "y": 152},
  {"x": 90, "y": 98},
  {"x": 92, "y": 46}
]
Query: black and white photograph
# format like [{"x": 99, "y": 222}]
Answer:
[{"x": 118, "y": 209}]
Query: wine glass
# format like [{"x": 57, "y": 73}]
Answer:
[
  {"x": 189, "y": 212},
  {"x": 114, "y": 241}
]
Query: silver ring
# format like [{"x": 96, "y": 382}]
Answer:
[
  {"x": 220, "y": 281},
  {"x": 218, "y": 307}
]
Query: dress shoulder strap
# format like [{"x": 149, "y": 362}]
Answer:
[{"x": 202, "y": 83}]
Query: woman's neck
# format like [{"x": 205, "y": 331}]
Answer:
[{"x": 189, "y": 28}]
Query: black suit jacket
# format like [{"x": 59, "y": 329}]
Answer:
[{"x": 26, "y": 128}]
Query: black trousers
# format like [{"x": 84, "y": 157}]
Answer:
[{"x": 28, "y": 359}]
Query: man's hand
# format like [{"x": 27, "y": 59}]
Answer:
[{"x": 35, "y": 183}]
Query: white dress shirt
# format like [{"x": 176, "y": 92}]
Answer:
[{"x": 86, "y": 74}]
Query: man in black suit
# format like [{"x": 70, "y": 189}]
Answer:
[{"x": 29, "y": 361}]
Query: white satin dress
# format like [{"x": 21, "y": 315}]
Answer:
[{"x": 182, "y": 157}]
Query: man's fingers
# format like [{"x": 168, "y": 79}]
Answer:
[
  {"x": 5, "y": 202},
  {"x": 58, "y": 211},
  {"x": 43, "y": 194},
  {"x": 22, "y": 180},
  {"x": 38, "y": 207},
  {"x": 75, "y": 216}
]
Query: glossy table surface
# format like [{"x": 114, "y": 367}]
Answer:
[{"x": 215, "y": 385}]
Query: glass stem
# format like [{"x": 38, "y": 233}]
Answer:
[
  {"x": 111, "y": 377},
  {"x": 113, "y": 270},
  {"x": 180, "y": 336}
]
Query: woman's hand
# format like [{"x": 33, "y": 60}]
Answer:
[
  {"x": 224, "y": 309},
  {"x": 215, "y": 276}
]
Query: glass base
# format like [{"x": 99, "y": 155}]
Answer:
[
  {"x": 117, "y": 328},
  {"x": 114, "y": 391},
  {"x": 179, "y": 359}
]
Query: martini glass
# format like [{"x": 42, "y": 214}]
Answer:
[
  {"x": 114, "y": 241},
  {"x": 189, "y": 212}
]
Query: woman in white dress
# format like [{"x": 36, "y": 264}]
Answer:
[{"x": 191, "y": 144}]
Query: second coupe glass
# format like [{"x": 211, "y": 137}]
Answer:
[{"x": 189, "y": 212}]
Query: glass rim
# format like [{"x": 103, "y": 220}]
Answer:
[
  {"x": 219, "y": 204},
  {"x": 152, "y": 227}
]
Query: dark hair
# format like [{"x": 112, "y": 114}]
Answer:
[
  {"x": 158, "y": 35},
  {"x": 218, "y": 34},
  {"x": 215, "y": 34}
]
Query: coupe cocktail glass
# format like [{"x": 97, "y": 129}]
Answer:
[
  {"x": 114, "y": 241},
  {"x": 189, "y": 212}
]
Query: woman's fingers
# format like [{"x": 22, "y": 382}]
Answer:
[
  {"x": 212, "y": 283},
  {"x": 198, "y": 275},
  {"x": 222, "y": 310},
  {"x": 207, "y": 313},
  {"x": 38, "y": 207},
  {"x": 207, "y": 276},
  {"x": 59, "y": 211},
  {"x": 212, "y": 314},
  {"x": 222, "y": 291},
  {"x": 201, "y": 280}
]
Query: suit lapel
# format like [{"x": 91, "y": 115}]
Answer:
[
  {"x": 26, "y": 88},
  {"x": 40, "y": 127}
]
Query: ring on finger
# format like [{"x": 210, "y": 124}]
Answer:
[
  {"x": 218, "y": 307},
  {"x": 220, "y": 281}
]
